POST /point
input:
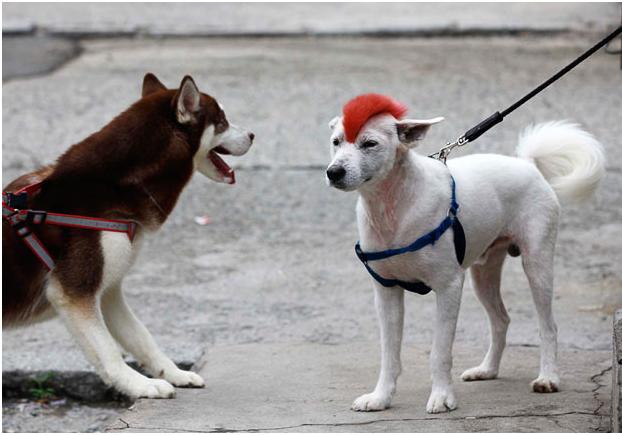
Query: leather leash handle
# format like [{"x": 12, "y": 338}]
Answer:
[{"x": 483, "y": 127}]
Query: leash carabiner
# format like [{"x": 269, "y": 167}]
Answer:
[{"x": 444, "y": 152}]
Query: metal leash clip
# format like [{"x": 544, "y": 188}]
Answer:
[{"x": 444, "y": 152}]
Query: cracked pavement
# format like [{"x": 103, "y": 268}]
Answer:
[{"x": 275, "y": 270}]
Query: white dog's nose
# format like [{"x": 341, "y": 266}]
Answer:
[{"x": 335, "y": 173}]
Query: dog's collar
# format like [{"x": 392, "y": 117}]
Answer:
[{"x": 451, "y": 220}]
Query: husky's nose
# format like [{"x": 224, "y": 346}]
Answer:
[
  {"x": 335, "y": 173},
  {"x": 251, "y": 136}
]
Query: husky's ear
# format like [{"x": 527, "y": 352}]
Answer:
[
  {"x": 409, "y": 131},
  {"x": 333, "y": 122},
  {"x": 187, "y": 101},
  {"x": 151, "y": 84}
]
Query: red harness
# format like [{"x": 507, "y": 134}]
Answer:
[{"x": 15, "y": 212}]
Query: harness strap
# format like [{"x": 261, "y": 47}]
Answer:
[
  {"x": 423, "y": 241},
  {"x": 428, "y": 239},
  {"x": 39, "y": 250},
  {"x": 19, "y": 199},
  {"x": 459, "y": 240},
  {"x": 66, "y": 220},
  {"x": 89, "y": 223},
  {"x": 15, "y": 212},
  {"x": 418, "y": 287}
]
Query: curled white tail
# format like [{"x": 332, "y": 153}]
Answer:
[{"x": 570, "y": 158}]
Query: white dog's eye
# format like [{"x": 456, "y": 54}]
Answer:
[
  {"x": 369, "y": 144},
  {"x": 335, "y": 141}
]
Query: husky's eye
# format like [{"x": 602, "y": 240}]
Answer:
[
  {"x": 335, "y": 141},
  {"x": 369, "y": 144}
]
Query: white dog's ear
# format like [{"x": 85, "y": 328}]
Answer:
[
  {"x": 188, "y": 98},
  {"x": 409, "y": 131},
  {"x": 333, "y": 122}
]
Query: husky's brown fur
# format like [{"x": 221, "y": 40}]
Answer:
[{"x": 133, "y": 168}]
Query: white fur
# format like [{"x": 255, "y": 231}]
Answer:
[
  {"x": 503, "y": 201},
  {"x": 201, "y": 162},
  {"x": 571, "y": 159},
  {"x": 119, "y": 255},
  {"x": 236, "y": 140}
]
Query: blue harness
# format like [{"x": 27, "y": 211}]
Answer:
[{"x": 428, "y": 239}]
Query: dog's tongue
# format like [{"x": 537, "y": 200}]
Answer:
[{"x": 225, "y": 170}]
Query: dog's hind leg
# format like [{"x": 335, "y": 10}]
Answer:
[
  {"x": 390, "y": 310},
  {"x": 538, "y": 250},
  {"x": 136, "y": 339},
  {"x": 486, "y": 280},
  {"x": 538, "y": 265},
  {"x": 84, "y": 320}
]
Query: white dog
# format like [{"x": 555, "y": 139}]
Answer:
[{"x": 505, "y": 204}]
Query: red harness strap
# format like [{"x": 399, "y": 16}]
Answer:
[{"x": 15, "y": 212}]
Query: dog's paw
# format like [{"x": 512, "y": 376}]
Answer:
[
  {"x": 479, "y": 373},
  {"x": 545, "y": 384},
  {"x": 371, "y": 402},
  {"x": 183, "y": 378},
  {"x": 149, "y": 388},
  {"x": 441, "y": 400}
]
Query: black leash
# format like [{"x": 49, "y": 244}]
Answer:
[{"x": 497, "y": 117}]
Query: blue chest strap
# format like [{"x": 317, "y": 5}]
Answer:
[{"x": 428, "y": 239}]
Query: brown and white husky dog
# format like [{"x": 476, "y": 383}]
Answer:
[{"x": 134, "y": 168}]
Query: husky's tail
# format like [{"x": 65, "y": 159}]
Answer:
[{"x": 569, "y": 158}]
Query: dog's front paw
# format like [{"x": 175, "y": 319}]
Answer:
[
  {"x": 371, "y": 402},
  {"x": 545, "y": 384},
  {"x": 441, "y": 400},
  {"x": 479, "y": 373},
  {"x": 183, "y": 378},
  {"x": 142, "y": 386}
]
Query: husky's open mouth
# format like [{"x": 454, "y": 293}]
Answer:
[{"x": 223, "y": 168}]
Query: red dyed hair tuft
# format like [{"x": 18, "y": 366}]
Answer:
[{"x": 358, "y": 110}]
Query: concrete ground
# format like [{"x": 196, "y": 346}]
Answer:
[
  {"x": 62, "y": 415},
  {"x": 309, "y": 388},
  {"x": 275, "y": 270}
]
